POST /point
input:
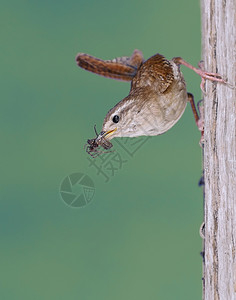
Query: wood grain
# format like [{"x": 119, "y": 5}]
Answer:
[{"x": 219, "y": 55}]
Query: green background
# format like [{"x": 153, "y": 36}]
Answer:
[{"x": 139, "y": 237}]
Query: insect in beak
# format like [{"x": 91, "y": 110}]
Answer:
[{"x": 92, "y": 146}]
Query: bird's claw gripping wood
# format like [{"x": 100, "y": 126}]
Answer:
[{"x": 200, "y": 71}]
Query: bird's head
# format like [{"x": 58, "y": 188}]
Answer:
[
  {"x": 125, "y": 119},
  {"x": 133, "y": 116}
]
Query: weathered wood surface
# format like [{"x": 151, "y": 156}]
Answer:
[{"x": 219, "y": 55}]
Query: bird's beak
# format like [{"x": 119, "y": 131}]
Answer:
[{"x": 107, "y": 134}]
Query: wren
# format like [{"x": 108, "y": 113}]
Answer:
[{"x": 157, "y": 98}]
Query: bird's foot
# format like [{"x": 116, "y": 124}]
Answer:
[
  {"x": 215, "y": 77},
  {"x": 207, "y": 75}
]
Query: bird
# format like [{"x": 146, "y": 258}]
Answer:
[{"x": 157, "y": 99}]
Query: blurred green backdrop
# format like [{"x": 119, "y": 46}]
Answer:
[{"x": 138, "y": 238}]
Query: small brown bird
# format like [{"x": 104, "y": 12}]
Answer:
[{"x": 156, "y": 101}]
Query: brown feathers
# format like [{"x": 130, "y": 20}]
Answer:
[
  {"x": 122, "y": 68},
  {"x": 156, "y": 72}
]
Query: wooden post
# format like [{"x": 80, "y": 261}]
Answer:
[{"x": 219, "y": 159}]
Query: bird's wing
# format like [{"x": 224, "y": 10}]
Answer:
[
  {"x": 156, "y": 72},
  {"x": 122, "y": 68}
]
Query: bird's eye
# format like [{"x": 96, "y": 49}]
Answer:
[{"x": 116, "y": 119}]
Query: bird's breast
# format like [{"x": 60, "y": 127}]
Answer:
[{"x": 163, "y": 110}]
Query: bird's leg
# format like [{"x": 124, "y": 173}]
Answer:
[
  {"x": 193, "y": 106},
  {"x": 198, "y": 120},
  {"x": 204, "y": 75}
]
